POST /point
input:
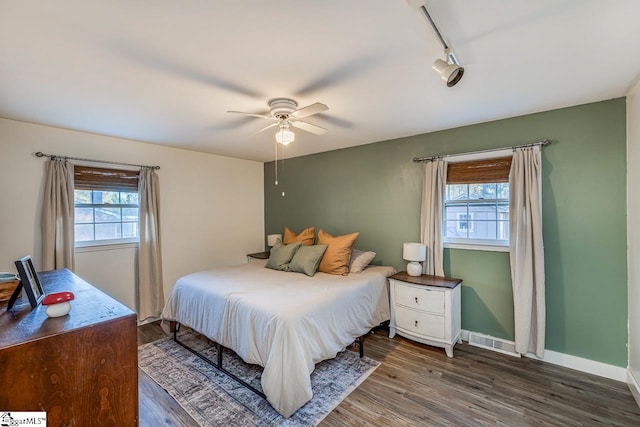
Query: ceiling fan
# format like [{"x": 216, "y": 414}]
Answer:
[{"x": 284, "y": 112}]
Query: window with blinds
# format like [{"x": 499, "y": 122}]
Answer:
[
  {"x": 476, "y": 208},
  {"x": 106, "y": 206}
]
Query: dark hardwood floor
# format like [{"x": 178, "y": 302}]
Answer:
[{"x": 417, "y": 385}]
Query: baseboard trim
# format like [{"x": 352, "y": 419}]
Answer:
[
  {"x": 578, "y": 363},
  {"x": 584, "y": 365},
  {"x": 633, "y": 386}
]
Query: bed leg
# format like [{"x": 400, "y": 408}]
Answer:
[
  {"x": 174, "y": 327},
  {"x": 361, "y": 345},
  {"x": 219, "y": 349}
]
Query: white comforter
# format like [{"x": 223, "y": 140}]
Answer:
[{"x": 284, "y": 322}]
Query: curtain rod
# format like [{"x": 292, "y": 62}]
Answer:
[
  {"x": 428, "y": 159},
  {"x": 55, "y": 156}
]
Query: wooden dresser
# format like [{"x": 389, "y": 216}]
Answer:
[{"x": 81, "y": 369}]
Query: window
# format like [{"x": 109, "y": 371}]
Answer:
[
  {"x": 106, "y": 206},
  {"x": 463, "y": 222},
  {"x": 476, "y": 208}
]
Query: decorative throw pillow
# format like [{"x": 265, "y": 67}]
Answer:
[
  {"x": 307, "y": 259},
  {"x": 281, "y": 255},
  {"x": 360, "y": 260},
  {"x": 338, "y": 254},
  {"x": 306, "y": 236}
]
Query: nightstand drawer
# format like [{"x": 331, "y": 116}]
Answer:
[
  {"x": 420, "y": 323},
  {"x": 419, "y": 298}
]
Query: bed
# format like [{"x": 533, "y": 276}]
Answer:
[{"x": 285, "y": 322}]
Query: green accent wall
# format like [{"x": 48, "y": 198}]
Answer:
[{"x": 375, "y": 189}]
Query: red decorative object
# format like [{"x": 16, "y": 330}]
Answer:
[{"x": 58, "y": 297}]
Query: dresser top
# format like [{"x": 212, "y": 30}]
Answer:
[
  {"x": 427, "y": 280},
  {"x": 89, "y": 307}
]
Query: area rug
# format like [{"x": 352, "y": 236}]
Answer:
[{"x": 214, "y": 399}]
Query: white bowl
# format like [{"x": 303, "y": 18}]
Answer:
[{"x": 7, "y": 277}]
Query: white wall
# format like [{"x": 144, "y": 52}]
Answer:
[
  {"x": 211, "y": 207},
  {"x": 633, "y": 235}
]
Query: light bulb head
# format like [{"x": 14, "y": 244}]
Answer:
[
  {"x": 450, "y": 73},
  {"x": 284, "y": 136}
]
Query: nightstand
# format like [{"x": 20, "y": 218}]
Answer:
[
  {"x": 426, "y": 309},
  {"x": 258, "y": 256}
]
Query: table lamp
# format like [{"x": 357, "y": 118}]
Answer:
[
  {"x": 414, "y": 252},
  {"x": 271, "y": 239}
]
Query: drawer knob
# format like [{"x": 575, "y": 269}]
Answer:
[
  {"x": 416, "y": 323},
  {"x": 416, "y": 298}
]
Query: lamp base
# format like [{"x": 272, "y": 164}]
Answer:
[{"x": 414, "y": 268}]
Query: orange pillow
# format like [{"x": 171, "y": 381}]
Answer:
[
  {"x": 307, "y": 236},
  {"x": 338, "y": 254}
]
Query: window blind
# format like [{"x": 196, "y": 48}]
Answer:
[
  {"x": 479, "y": 171},
  {"x": 104, "y": 179}
]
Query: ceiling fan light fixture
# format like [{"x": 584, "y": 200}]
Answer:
[{"x": 285, "y": 136}]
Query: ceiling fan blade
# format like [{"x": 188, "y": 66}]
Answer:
[
  {"x": 310, "y": 110},
  {"x": 267, "y": 127},
  {"x": 308, "y": 127},
  {"x": 262, "y": 116}
]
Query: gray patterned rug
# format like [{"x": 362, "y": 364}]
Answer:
[{"x": 214, "y": 399}]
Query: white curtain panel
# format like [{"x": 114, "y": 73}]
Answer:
[
  {"x": 435, "y": 179},
  {"x": 150, "y": 301},
  {"x": 527, "y": 250},
  {"x": 57, "y": 216}
]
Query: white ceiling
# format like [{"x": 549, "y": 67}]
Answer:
[{"x": 166, "y": 72}]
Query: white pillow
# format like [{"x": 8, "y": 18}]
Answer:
[{"x": 360, "y": 260}]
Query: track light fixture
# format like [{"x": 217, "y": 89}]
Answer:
[{"x": 449, "y": 69}]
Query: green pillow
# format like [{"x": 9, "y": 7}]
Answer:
[
  {"x": 281, "y": 255},
  {"x": 307, "y": 259}
]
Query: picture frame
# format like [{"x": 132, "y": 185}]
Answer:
[{"x": 30, "y": 280}]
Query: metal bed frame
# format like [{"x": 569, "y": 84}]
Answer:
[{"x": 174, "y": 327}]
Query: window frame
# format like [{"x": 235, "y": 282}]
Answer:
[
  {"x": 474, "y": 244},
  {"x": 104, "y": 186}
]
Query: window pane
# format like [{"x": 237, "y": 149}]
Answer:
[
  {"x": 108, "y": 215},
  {"x": 82, "y": 196},
  {"x": 452, "y": 211},
  {"x": 482, "y": 230},
  {"x": 489, "y": 191},
  {"x": 83, "y": 232},
  {"x": 129, "y": 214},
  {"x": 457, "y": 192},
  {"x": 453, "y": 230},
  {"x": 129, "y": 230},
  {"x": 129, "y": 198},
  {"x": 503, "y": 190},
  {"x": 483, "y": 211},
  {"x": 108, "y": 231},
  {"x": 475, "y": 191},
  {"x": 503, "y": 230},
  {"x": 106, "y": 197},
  {"x": 83, "y": 215},
  {"x": 503, "y": 210}
]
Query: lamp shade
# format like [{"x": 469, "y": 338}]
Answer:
[
  {"x": 450, "y": 73},
  {"x": 414, "y": 251},
  {"x": 271, "y": 239},
  {"x": 285, "y": 136}
]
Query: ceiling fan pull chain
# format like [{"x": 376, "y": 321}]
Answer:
[
  {"x": 276, "y": 147},
  {"x": 282, "y": 156}
]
